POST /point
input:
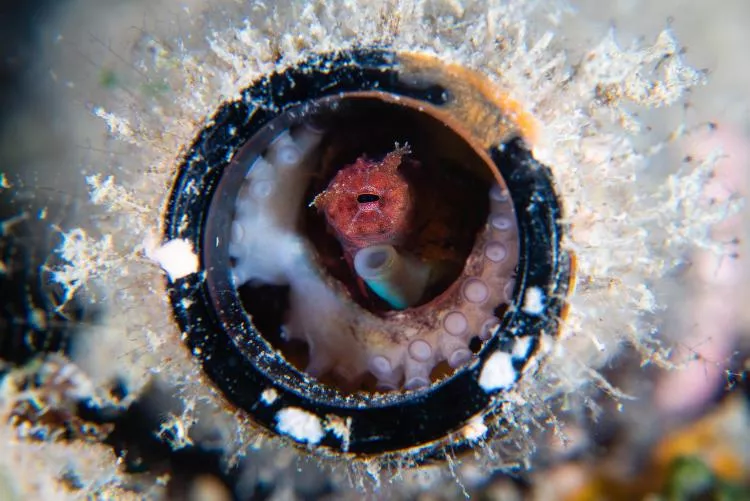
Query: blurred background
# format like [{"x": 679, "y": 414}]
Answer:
[{"x": 686, "y": 436}]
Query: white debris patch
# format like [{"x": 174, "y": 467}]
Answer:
[
  {"x": 84, "y": 259},
  {"x": 118, "y": 126},
  {"x": 498, "y": 372},
  {"x": 176, "y": 257},
  {"x": 300, "y": 425},
  {"x": 533, "y": 303},
  {"x": 269, "y": 396},
  {"x": 521, "y": 347},
  {"x": 105, "y": 191},
  {"x": 475, "y": 429},
  {"x": 340, "y": 427}
]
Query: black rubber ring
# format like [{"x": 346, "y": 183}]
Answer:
[{"x": 242, "y": 373}]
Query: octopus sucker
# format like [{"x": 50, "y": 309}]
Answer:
[{"x": 384, "y": 308}]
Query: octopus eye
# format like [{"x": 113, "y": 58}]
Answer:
[
  {"x": 329, "y": 342},
  {"x": 365, "y": 198}
]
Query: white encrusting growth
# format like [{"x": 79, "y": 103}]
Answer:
[
  {"x": 176, "y": 257},
  {"x": 300, "y": 425},
  {"x": 498, "y": 372},
  {"x": 340, "y": 427},
  {"x": 521, "y": 347},
  {"x": 475, "y": 429},
  {"x": 269, "y": 396},
  {"x": 608, "y": 220},
  {"x": 533, "y": 302}
]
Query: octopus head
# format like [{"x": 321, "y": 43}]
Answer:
[{"x": 368, "y": 202}]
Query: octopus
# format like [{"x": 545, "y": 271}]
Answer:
[
  {"x": 412, "y": 301},
  {"x": 369, "y": 202}
]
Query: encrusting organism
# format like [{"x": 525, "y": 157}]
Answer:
[{"x": 520, "y": 219}]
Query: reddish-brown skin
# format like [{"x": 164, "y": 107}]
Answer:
[{"x": 368, "y": 202}]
